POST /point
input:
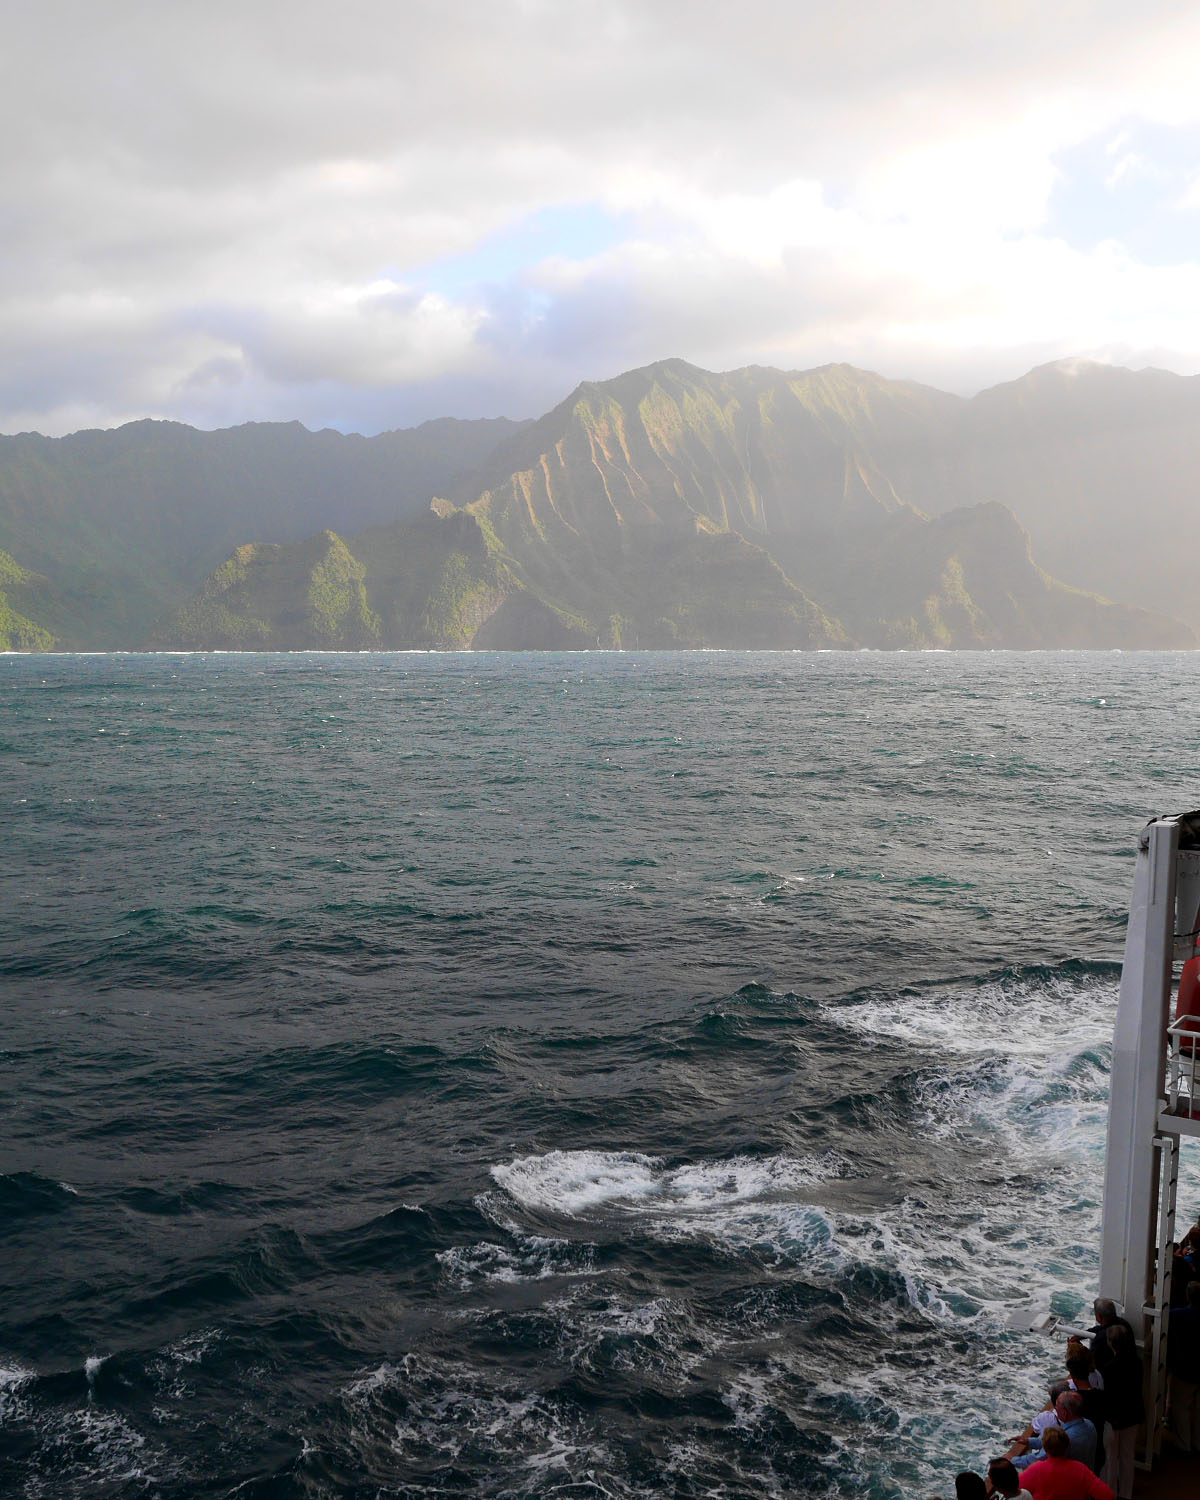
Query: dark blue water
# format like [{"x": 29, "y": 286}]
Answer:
[{"x": 555, "y": 1074}]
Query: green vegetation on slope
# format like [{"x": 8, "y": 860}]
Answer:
[
  {"x": 22, "y": 590},
  {"x": 310, "y": 596},
  {"x": 605, "y": 498},
  {"x": 666, "y": 507},
  {"x": 968, "y": 580},
  {"x": 127, "y": 523},
  {"x": 428, "y": 584}
]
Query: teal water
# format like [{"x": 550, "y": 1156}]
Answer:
[{"x": 554, "y": 1074}]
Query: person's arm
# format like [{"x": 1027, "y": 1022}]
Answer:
[
  {"x": 1028, "y": 1432},
  {"x": 1097, "y": 1489}
]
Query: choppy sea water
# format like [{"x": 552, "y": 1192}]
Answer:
[{"x": 590, "y": 1075}]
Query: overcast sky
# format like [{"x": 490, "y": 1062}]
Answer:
[{"x": 368, "y": 214}]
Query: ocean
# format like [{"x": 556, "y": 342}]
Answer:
[{"x": 583, "y": 1075}]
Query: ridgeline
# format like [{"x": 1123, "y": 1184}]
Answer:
[{"x": 669, "y": 507}]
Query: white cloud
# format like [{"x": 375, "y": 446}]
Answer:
[{"x": 225, "y": 213}]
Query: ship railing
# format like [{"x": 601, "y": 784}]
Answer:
[{"x": 1183, "y": 1074}]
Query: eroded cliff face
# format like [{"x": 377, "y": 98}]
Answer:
[
  {"x": 674, "y": 507},
  {"x": 752, "y": 509}
]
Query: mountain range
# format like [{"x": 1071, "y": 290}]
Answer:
[{"x": 669, "y": 506}]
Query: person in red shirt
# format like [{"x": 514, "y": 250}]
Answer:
[{"x": 1058, "y": 1477}]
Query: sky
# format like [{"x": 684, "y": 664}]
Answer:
[{"x": 368, "y": 215}]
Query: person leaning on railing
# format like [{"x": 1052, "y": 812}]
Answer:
[
  {"x": 1124, "y": 1410},
  {"x": 1106, "y": 1317},
  {"x": 1080, "y": 1434},
  {"x": 1058, "y": 1476}
]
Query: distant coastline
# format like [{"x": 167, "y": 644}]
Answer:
[{"x": 668, "y": 508}]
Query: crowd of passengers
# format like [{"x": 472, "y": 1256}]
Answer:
[{"x": 1081, "y": 1445}]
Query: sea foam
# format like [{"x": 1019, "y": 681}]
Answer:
[{"x": 574, "y": 1183}]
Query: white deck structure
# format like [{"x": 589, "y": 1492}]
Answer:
[{"x": 1155, "y": 1099}]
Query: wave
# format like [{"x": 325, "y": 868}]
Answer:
[
  {"x": 74, "y": 1446},
  {"x": 29, "y": 1194},
  {"x": 13, "y": 1378},
  {"x": 1068, "y": 1007},
  {"x": 529, "y": 1258},
  {"x": 574, "y": 1183}
]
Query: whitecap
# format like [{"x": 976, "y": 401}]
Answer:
[
  {"x": 1059, "y": 1013},
  {"x": 192, "y": 1347},
  {"x": 573, "y": 1183},
  {"x": 12, "y": 1379},
  {"x": 379, "y": 1379},
  {"x": 448, "y": 1406},
  {"x": 533, "y": 1258}
]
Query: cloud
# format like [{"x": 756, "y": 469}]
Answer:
[{"x": 279, "y": 210}]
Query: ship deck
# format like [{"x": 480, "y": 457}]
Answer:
[{"x": 1175, "y": 1476}]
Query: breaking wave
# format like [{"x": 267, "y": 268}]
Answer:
[{"x": 617, "y": 1077}]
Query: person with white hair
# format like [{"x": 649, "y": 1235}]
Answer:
[
  {"x": 1081, "y": 1435},
  {"x": 1106, "y": 1316}
]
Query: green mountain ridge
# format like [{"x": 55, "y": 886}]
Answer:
[
  {"x": 669, "y": 506},
  {"x": 130, "y": 521},
  {"x": 674, "y": 507}
]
